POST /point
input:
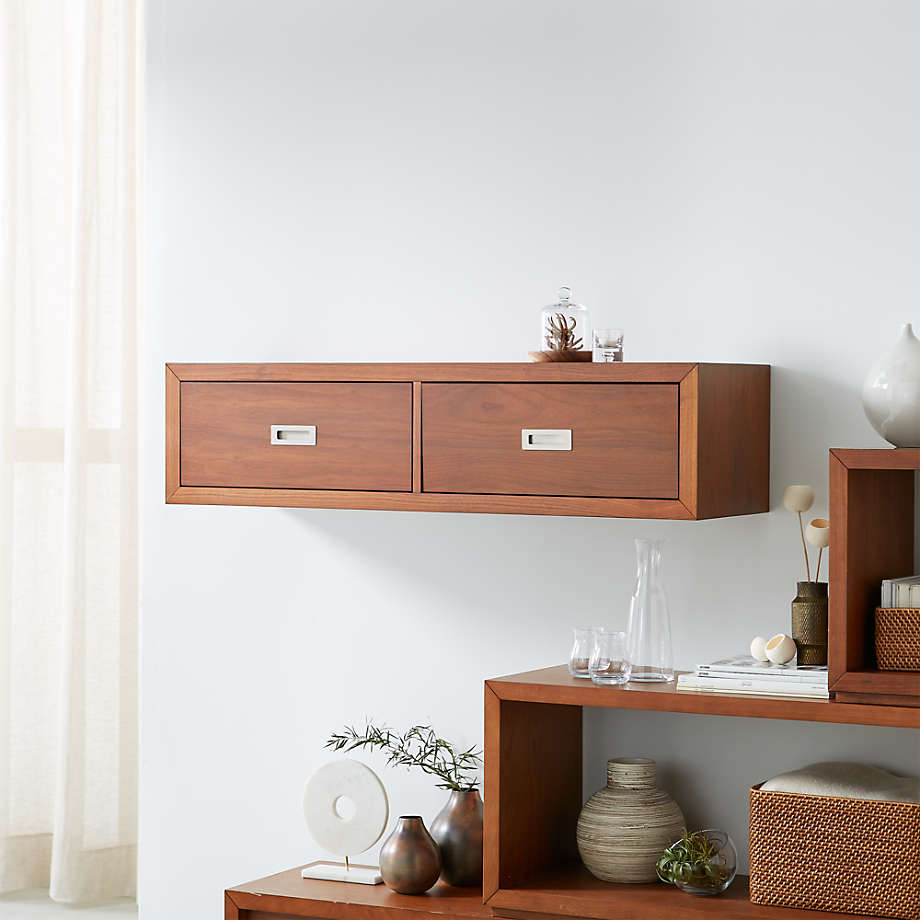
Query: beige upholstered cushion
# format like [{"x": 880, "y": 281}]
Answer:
[{"x": 847, "y": 781}]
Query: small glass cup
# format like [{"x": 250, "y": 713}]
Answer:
[
  {"x": 582, "y": 649},
  {"x": 607, "y": 345},
  {"x": 608, "y": 664}
]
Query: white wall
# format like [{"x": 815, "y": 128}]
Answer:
[{"x": 411, "y": 180}]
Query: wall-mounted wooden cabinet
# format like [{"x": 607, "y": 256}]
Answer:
[{"x": 683, "y": 441}]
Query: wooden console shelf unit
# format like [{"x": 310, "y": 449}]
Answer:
[
  {"x": 287, "y": 895},
  {"x": 531, "y": 860},
  {"x": 682, "y": 441},
  {"x": 568, "y": 892},
  {"x": 872, "y": 521}
]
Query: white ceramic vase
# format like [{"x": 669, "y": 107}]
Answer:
[
  {"x": 624, "y": 827},
  {"x": 891, "y": 392}
]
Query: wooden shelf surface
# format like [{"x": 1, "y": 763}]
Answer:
[
  {"x": 556, "y": 685},
  {"x": 878, "y": 458},
  {"x": 573, "y": 892},
  {"x": 286, "y": 894}
]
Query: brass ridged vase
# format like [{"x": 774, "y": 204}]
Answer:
[{"x": 809, "y": 622}]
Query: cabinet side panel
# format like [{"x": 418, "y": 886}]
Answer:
[
  {"x": 837, "y": 580},
  {"x": 536, "y": 780},
  {"x": 733, "y": 439},
  {"x": 689, "y": 444},
  {"x": 172, "y": 433},
  {"x": 879, "y": 543}
]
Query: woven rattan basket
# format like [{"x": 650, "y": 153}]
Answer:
[
  {"x": 897, "y": 638},
  {"x": 846, "y": 855}
]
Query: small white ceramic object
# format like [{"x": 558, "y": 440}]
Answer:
[
  {"x": 338, "y": 831},
  {"x": 818, "y": 533},
  {"x": 798, "y": 498},
  {"x": 780, "y": 649},
  {"x": 759, "y": 648},
  {"x": 891, "y": 392}
]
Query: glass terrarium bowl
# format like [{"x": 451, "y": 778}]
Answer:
[{"x": 702, "y": 863}]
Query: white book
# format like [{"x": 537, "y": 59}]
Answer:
[
  {"x": 746, "y": 666},
  {"x": 886, "y": 593},
  {"x": 749, "y": 686},
  {"x": 896, "y": 591},
  {"x": 915, "y": 595}
]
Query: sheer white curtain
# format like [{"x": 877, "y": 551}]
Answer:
[{"x": 70, "y": 117}]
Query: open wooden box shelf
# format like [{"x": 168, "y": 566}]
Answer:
[
  {"x": 872, "y": 537},
  {"x": 533, "y": 794}
]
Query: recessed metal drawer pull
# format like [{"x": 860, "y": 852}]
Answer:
[
  {"x": 294, "y": 435},
  {"x": 546, "y": 439}
]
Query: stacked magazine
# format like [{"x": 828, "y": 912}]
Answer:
[{"x": 747, "y": 675}]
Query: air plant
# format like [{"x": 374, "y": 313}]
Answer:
[
  {"x": 419, "y": 747},
  {"x": 799, "y": 499},
  {"x": 560, "y": 333},
  {"x": 696, "y": 861}
]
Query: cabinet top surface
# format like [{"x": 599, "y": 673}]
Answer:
[
  {"x": 639, "y": 372},
  {"x": 556, "y": 685}
]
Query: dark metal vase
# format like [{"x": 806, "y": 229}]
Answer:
[
  {"x": 410, "y": 861},
  {"x": 458, "y": 832},
  {"x": 809, "y": 622}
]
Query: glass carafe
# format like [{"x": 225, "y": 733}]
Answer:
[{"x": 649, "y": 637}]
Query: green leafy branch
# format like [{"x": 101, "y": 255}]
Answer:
[{"x": 419, "y": 747}]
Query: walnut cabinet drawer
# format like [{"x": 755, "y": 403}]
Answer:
[
  {"x": 589, "y": 439},
  {"x": 348, "y": 436}
]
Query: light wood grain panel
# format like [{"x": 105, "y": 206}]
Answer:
[
  {"x": 571, "y": 892},
  {"x": 624, "y": 439},
  {"x": 877, "y": 699},
  {"x": 416, "y": 437},
  {"x": 491, "y": 792},
  {"x": 396, "y": 501},
  {"x": 534, "y": 758},
  {"x": 886, "y": 458},
  {"x": 903, "y": 684},
  {"x": 733, "y": 439},
  {"x": 172, "y": 433},
  {"x": 555, "y": 685},
  {"x": 363, "y": 435},
  {"x": 689, "y": 445},
  {"x": 872, "y": 521},
  {"x": 287, "y": 894},
  {"x": 522, "y": 372}
]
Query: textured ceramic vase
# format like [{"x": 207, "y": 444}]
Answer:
[
  {"x": 457, "y": 830},
  {"x": 410, "y": 861},
  {"x": 809, "y": 622},
  {"x": 625, "y": 827},
  {"x": 891, "y": 392}
]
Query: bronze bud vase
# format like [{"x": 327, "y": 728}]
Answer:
[
  {"x": 809, "y": 622},
  {"x": 458, "y": 832},
  {"x": 410, "y": 861}
]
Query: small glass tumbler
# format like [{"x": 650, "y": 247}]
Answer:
[
  {"x": 582, "y": 649},
  {"x": 608, "y": 664},
  {"x": 607, "y": 345}
]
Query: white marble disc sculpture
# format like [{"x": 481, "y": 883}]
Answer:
[{"x": 346, "y": 810}]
